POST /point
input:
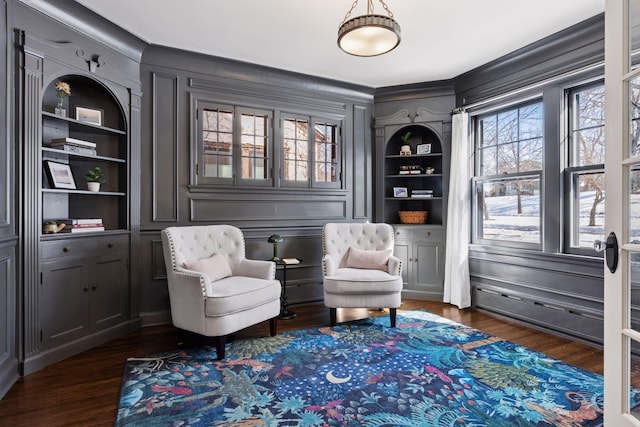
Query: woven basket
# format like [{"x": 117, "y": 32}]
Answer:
[{"x": 413, "y": 217}]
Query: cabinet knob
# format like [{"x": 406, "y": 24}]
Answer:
[
  {"x": 428, "y": 234},
  {"x": 66, "y": 249},
  {"x": 94, "y": 287},
  {"x": 86, "y": 289},
  {"x": 109, "y": 245},
  {"x": 397, "y": 233}
]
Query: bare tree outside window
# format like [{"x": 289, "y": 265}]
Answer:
[
  {"x": 586, "y": 165},
  {"x": 510, "y": 147}
]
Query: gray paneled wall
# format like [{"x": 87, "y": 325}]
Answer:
[
  {"x": 175, "y": 82},
  {"x": 548, "y": 289}
]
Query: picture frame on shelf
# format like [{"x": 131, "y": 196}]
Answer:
[
  {"x": 89, "y": 115},
  {"x": 423, "y": 149},
  {"x": 400, "y": 192},
  {"x": 59, "y": 175}
]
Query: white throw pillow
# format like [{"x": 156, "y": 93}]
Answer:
[
  {"x": 370, "y": 260},
  {"x": 215, "y": 268}
]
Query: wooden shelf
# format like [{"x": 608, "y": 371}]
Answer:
[
  {"x": 85, "y": 124},
  {"x": 85, "y": 192},
  {"x": 86, "y": 156}
]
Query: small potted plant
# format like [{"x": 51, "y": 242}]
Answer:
[
  {"x": 94, "y": 178},
  {"x": 405, "y": 150}
]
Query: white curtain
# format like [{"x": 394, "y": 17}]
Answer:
[{"x": 457, "y": 287}]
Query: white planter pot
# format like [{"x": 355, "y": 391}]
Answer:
[{"x": 93, "y": 186}]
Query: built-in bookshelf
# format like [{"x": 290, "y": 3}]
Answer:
[
  {"x": 413, "y": 174},
  {"x": 94, "y": 126}
]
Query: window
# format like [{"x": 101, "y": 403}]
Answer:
[
  {"x": 311, "y": 152},
  {"x": 585, "y": 173},
  {"x": 509, "y": 146},
  {"x": 234, "y": 145}
]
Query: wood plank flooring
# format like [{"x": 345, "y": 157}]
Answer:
[{"x": 84, "y": 390}]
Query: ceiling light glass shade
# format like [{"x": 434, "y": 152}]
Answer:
[{"x": 369, "y": 35}]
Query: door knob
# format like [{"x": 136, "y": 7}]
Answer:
[{"x": 610, "y": 249}]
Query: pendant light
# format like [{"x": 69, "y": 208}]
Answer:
[{"x": 370, "y": 34}]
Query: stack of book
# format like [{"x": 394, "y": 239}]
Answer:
[
  {"x": 421, "y": 194},
  {"x": 73, "y": 145},
  {"x": 81, "y": 225}
]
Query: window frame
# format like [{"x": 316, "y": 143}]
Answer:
[
  {"x": 478, "y": 180},
  {"x": 312, "y": 120},
  {"x": 572, "y": 172},
  {"x": 236, "y": 145}
]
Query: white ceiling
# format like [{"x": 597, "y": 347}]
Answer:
[{"x": 440, "y": 38}]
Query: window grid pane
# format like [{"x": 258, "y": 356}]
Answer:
[
  {"x": 217, "y": 143},
  {"x": 296, "y": 150},
  {"x": 517, "y": 139},
  {"x": 509, "y": 209},
  {"x": 326, "y": 150},
  {"x": 587, "y": 127},
  {"x": 587, "y": 209},
  {"x": 254, "y": 153}
]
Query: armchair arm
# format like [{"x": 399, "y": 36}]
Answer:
[
  {"x": 328, "y": 265},
  {"x": 256, "y": 268},
  {"x": 394, "y": 266},
  {"x": 187, "y": 294}
]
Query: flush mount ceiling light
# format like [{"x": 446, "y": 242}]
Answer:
[{"x": 370, "y": 34}]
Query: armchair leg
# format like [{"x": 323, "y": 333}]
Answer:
[
  {"x": 392, "y": 317},
  {"x": 332, "y": 315},
  {"x": 273, "y": 326},
  {"x": 220, "y": 342}
]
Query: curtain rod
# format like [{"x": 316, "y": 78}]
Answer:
[{"x": 528, "y": 88}]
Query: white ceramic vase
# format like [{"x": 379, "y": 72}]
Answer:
[{"x": 93, "y": 186}]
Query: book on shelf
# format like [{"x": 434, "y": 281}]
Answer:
[
  {"x": 72, "y": 141},
  {"x": 74, "y": 229},
  {"x": 410, "y": 172},
  {"x": 290, "y": 261},
  {"x": 76, "y": 149},
  {"x": 421, "y": 196},
  {"x": 81, "y": 221},
  {"x": 421, "y": 191}
]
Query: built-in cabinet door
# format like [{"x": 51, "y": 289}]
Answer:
[
  {"x": 428, "y": 267},
  {"x": 109, "y": 293},
  {"x": 64, "y": 302}
]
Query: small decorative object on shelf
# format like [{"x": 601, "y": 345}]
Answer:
[
  {"x": 400, "y": 192},
  {"x": 405, "y": 150},
  {"x": 424, "y": 149},
  {"x": 63, "y": 90},
  {"x": 410, "y": 170},
  {"x": 275, "y": 239},
  {"x": 94, "y": 178},
  {"x": 52, "y": 227},
  {"x": 429, "y": 170},
  {"x": 59, "y": 175},
  {"x": 413, "y": 217},
  {"x": 89, "y": 115},
  {"x": 81, "y": 225}
]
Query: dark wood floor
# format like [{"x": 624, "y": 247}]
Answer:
[{"x": 84, "y": 390}]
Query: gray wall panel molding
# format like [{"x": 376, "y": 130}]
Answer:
[
  {"x": 243, "y": 72},
  {"x": 417, "y": 91},
  {"x": 363, "y": 175},
  {"x": 32, "y": 76},
  {"x": 158, "y": 267},
  {"x": 276, "y": 212},
  {"x": 254, "y": 92},
  {"x": 165, "y": 109}
]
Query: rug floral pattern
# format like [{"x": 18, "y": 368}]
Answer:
[{"x": 428, "y": 371}]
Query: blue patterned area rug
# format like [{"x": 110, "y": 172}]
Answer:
[{"x": 428, "y": 371}]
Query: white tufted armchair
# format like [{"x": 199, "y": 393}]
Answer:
[
  {"x": 249, "y": 293},
  {"x": 359, "y": 267}
]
